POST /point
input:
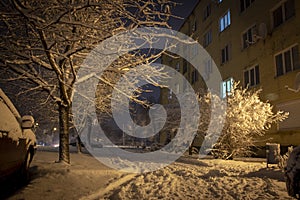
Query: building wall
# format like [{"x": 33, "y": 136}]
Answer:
[{"x": 260, "y": 53}]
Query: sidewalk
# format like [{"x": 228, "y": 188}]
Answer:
[{"x": 50, "y": 180}]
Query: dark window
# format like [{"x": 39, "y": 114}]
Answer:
[
  {"x": 194, "y": 76},
  {"x": 296, "y": 60},
  {"x": 246, "y": 78},
  {"x": 278, "y": 17},
  {"x": 208, "y": 69},
  {"x": 207, "y": 38},
  {"x": 184, "y": 67},
  {"x": 177, "y": 67},
  {"x": 289, "y": 8},
  {"x": 279, "y": 65},
  {"x": 251, "y": 76},
  {"x": 207, "y": 12},
  {"x": 283, "y": 12},
  {"x": 257, "y": 75},
  {"x": 245, "y": 4},
  {"x": 287, "y": 61},
  {"x": 194, "y": 26},
  {"x": 248, "y": 37},
  {"x": 245, "y": 40},
  {"x": 225, "y": 54},
  {"x": 242, "y": 3}
]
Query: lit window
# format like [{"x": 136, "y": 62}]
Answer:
[
  {"x": 251, "y": 76},
  {"x": 225, "y": 54},
  {"x": 207, "y": 38},
  {"x": 207, "y": 12},
  {"x": 287, "y": 61},
  {"x": 283, "y": 12},
  {"x": 245, "y": 4},
  {"x": 249, "y": 37},
  {"x": 226, "y": 87},
  {"x": 225, "y": 21}
]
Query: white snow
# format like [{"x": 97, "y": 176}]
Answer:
[{"x": 187, "y": 178}]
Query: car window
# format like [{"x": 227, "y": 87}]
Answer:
[{"x": 8, "y": 122}]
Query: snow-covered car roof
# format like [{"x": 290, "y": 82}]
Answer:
[{"x": 10, "y": 105}]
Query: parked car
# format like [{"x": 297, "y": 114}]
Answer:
[
  {"x": 17, "y": 140},
  {"x": 292, "y": 173}
]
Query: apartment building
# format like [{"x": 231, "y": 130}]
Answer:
[{"x": 255, "y": 42}]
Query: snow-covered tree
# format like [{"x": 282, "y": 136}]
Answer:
[
  {"x": 44, "y": 43},
  {"x": 247, "y": 119}
]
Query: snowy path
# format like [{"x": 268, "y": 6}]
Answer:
[
  {"x": 188, "y": 178},
  {"x": 206, "y": 179}
]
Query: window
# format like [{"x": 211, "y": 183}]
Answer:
[
  {"x": 194, "y": 26},
  {"x": 224, "y": 21},
  {"x": 207, "y": 12},
  {"x": 220, "y": 1},
  {"x": 194, "y": 76},
  {"x": 251, "y": 76},
  {"x": 207, "y": 38},
  {"x": 245, "y": 4},
  {"x": 177, "y": 67},
  {"x": 287, "y": 61},
  {"x": 208, "y": 69},
  {"x": 170, "y": 94},
  {"x": 226, "y": 87},
  {"x": 194, "y": 50},
  {"x": 249, "y": 37},
  {"x": 184, "y": 84},
  {"x": 184, "y": 66},
  {"x": 225, "y": 54},
  {"x": 177, "y": 88},
  {"x": 283, "y": 12}
]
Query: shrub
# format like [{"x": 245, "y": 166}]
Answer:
[{"x": 247, "y": 118}]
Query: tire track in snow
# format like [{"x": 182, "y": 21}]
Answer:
[{"x": 112, "y": 186}]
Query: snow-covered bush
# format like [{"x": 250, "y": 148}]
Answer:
[
  {"x": 247, "y": 118},
  {"x": 282, "y": 159}
]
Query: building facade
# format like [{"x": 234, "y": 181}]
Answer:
[{"x": 256, "y": 43}]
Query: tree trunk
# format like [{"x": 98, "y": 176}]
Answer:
[
  {"x": 64, "y": 153},
  {"x": 78, "y": 144}
]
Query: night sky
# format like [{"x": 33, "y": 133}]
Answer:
[{"x": 183, "y": 9}]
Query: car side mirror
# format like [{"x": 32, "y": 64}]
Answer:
[{"x": 27, "y": 122}]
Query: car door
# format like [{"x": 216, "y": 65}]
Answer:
[{"x": 12, "y": 146}]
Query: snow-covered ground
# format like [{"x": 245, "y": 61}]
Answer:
[{"x": 188, "y": 178}]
